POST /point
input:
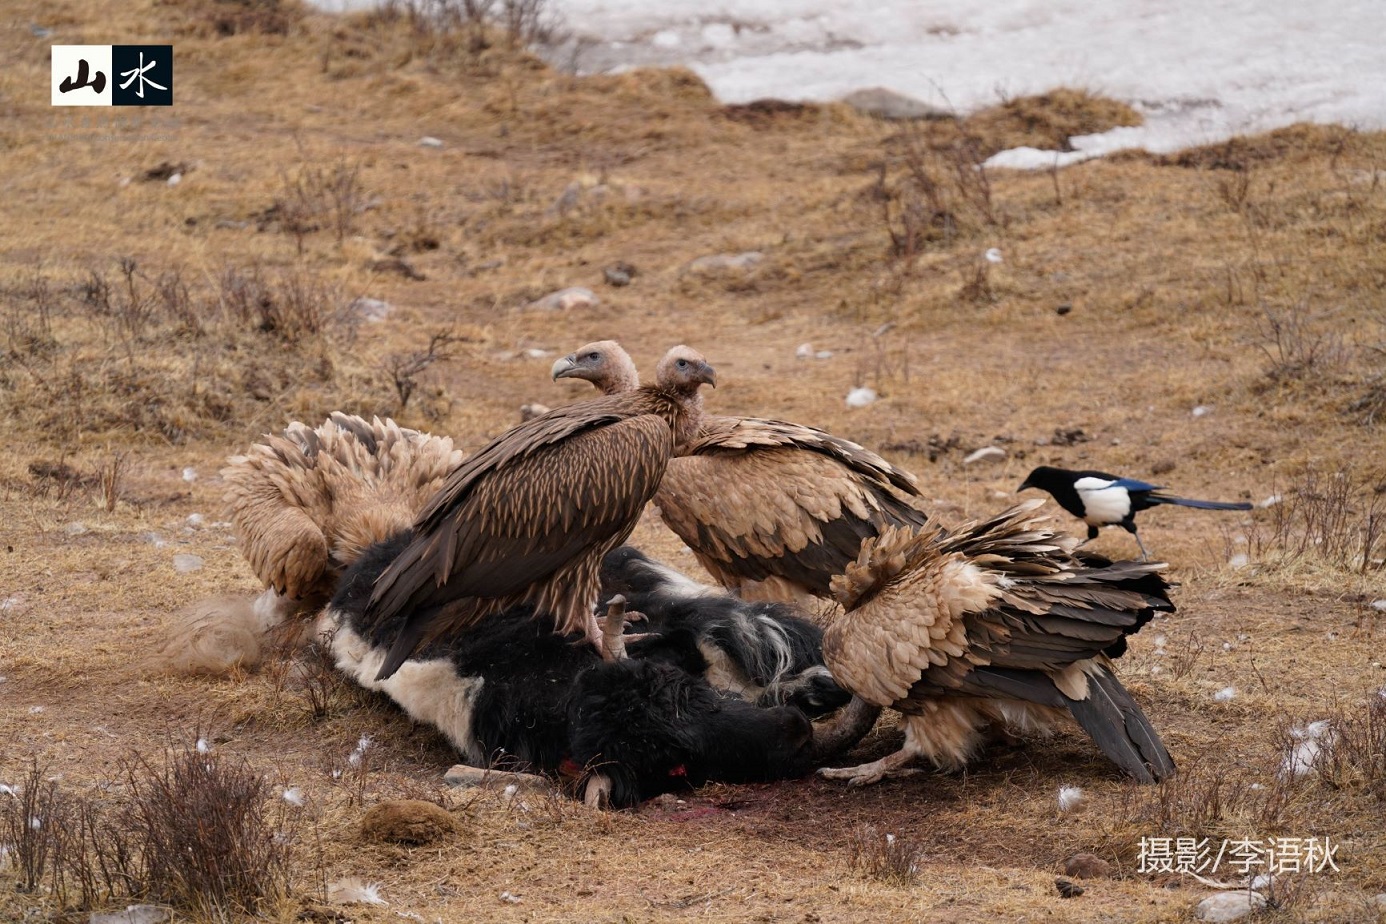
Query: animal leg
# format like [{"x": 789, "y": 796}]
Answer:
[
  {"x": 888, "y": 767},
  {"x": 1145, "y": 556}
]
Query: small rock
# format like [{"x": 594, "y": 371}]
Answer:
[
  {"x": 76, "y": 529},
  {"x": 510, "y": 898},
  {"x": 465, "y": 777},
  {"x": 619, "y": 274},
  {"x": 536, "y": 353},
  {"x": 565, "y": 300},
  {"x": 1063, "y": 309},
  {"x": 428, "y": 141},
  {"x": 1379, "y": 605},
  {"x": 985, "y": 454},
  {"x": 175, "y": 179},
  {"x": 1229, "y": 906},
  {"x": 1202, "y": 410},
  {"x": 370, "y": 309},
  {"x": 189, "y": 474},
  {"x": 133, "y": 914},
  {"x": 1087, "y": 866},
  {"x": 993, "y": 255},
  {"x": 185, "y": 563},
  {"x": 1068, "y": 888},
  {"x": 1071, "y": 798},
  {"x": 530, "y": 411},
  {"x": 727, "y": 262},
  {"x": 195, "y": 520},
  {"x": 887, "y": 104},
  {"x": 823, "y": 354},
  {"x": 1163, "y": 467},
  {"x": 1239, "y": 560},
  {"x": 805, "y": 351},
  {"x": 860, "y": 397},
  {"x": 407, "y": 821}
]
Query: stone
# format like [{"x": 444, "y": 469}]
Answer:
[
  {"x": 887, "y": 104},
  {"x": 619, "y": 274},
  {"x": 1229, "y": 906},
  {"x": 407, "y": 821},
  {"x": 1087, "y": 866},
  {"x": 565, "y": 300},
  {"x": 861, "y": 397},
  {"x": 428, "y": 141},
  {"x": 370, "y": 309},
  {"x": 713, "y": 264},
  {"x": 465, "y": 777},
  {"x": 186, "y": 563},
  {"x": 985, "y": 454}
]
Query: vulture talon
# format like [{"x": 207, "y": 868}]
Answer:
[{"x": 612, "y": 645}]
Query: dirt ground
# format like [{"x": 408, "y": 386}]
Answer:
[{"x": 1212, "y": 320}]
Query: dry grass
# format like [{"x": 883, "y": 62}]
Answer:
[{"x": 1233, "y": 277}]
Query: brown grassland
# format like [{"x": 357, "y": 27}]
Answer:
[{"x": 148, "y": 328}]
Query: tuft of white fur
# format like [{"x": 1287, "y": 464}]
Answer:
[
  {"x": 354, "y": 891},
  {"x": 7, "y": 790},
  {"x": 202, "y": 746},
  {"x": 294, "y": 796},
  {"x": 223, "y": 634},
  {"x": 511, "y": 898},
  {"x": 1071, "y": 798},
  {"x": 1225, "y": 695},
  {"x": 1304, "y": 756}
]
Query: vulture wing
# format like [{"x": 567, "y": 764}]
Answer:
[
  {"x": 763, "y": 498},
  {"x": 307, "y": 501},
  {"x": 567, "y": 486},
  {"x": 1000, "y": 609}
]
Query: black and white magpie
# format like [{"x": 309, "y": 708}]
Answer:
[{"x": 1100, "y": 499}]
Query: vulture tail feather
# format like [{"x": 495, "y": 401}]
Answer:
[{"x": 1119, "y": 727}]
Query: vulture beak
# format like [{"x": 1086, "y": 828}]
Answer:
[
  {"x": 705, "y": 374},
  {"x": 564, "y": 368}
]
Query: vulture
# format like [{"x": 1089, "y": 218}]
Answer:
[
  {"x": 771, "y": 509},
  {"x": 526, "y": 520},
  {"x": 1000, "y": 627},
  {"x": 305, "y": 503}
]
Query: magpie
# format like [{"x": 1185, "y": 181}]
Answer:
[{"x": 1099, "y": 499}]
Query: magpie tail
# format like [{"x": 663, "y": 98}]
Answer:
[{"x": 1200, "y": 504}]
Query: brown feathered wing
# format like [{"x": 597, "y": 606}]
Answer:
[
  {"x": 306, "y": 502},
  {"x": 756, "y": 499},
  {"x": 1000, "y": 609},
  {"x": 527, "y": 519}
]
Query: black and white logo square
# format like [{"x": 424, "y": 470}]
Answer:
[
  {"x": 112, "y": 75},
  {"x": 82, "y": 75}
]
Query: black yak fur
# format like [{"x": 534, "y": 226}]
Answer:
[
  {"x": 765, "y": 652},
  {"x": 511, "y": 692}
]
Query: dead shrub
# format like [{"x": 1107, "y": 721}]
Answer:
[
  {"x": 225, "y": 18},
  {"x": 202, "y": 836},
  {"x": 110, "y": 477},
  {"x": 1336, "y": 518},
  {"x": 1352, "y": 754},
  {"x": 315, "y": 198},
  {"x": 1205, "y": 799},
  {"x": 884, "y": 857},
  {"x": 404, "y": 369},
  {"x": 931, "y": 192},
  {"x": 26, "y": 818},
  {"x": 1297, "y": 344}
]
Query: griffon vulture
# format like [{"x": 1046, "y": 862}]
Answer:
[
  {"x": 305, "y": 503},
  {"x": 998, "y": 626},
  {"x": 527, "y": 519},
  {"x": 771, "y": 509}
]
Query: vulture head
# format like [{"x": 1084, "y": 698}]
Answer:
[
  {"x": 603, "y": 363},
  {"x": 682, "y": 370}
]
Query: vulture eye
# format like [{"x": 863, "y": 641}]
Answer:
[
  {"x": 594, "y": 356},
  {"x": 683, "y": 364}
]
